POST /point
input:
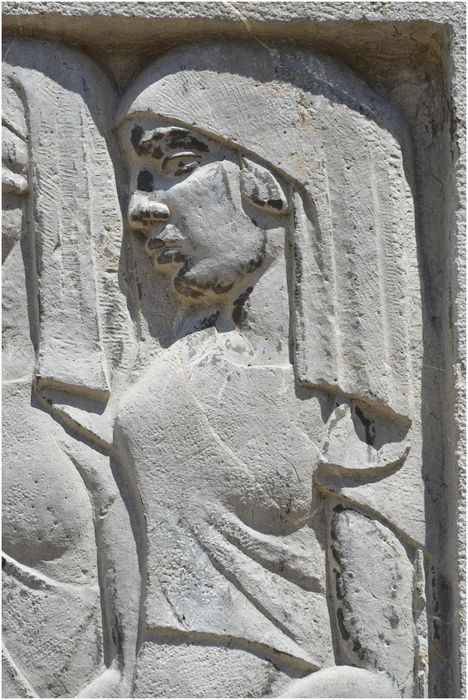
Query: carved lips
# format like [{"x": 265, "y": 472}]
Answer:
[
  {"x": 170, "y": 250},
  {"x": 170, "y": 255}
]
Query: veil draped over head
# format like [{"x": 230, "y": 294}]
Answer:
[
  {"x": 64, "y": 101},
  {"x": 319, "y": 125}
]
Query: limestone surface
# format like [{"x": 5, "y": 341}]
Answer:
[{"x": 225, "y": 471}]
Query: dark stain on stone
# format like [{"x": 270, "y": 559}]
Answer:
[
  {"x": 187, "y": 290},
  {"x": 148, "y": 145},
  {"x": 145, "y": 181},
  {"x": 157, "y": 152},
  {"x": 208, "y": 322},
  {"x": 357, "y": 645},
  {"x": 275, "y": 204},
  {"x": 343, "y": 631},
  {"x": 339, "y": 508},
  {"x": 254, "y": 264},
  {"x": 181, "y": 138},
  {"x": 256, "y": 200},
  {"x": 184, "y": 169},
  {"x": 166, "y": 257},
  {"x": 339, "y": 585},
  {"x": 137, "y": 133},
  {"x": 369, "y": 426},
  {"x": 220, "y": 288},
  {"x": 336, "y": 554},
  {"x": 142, "y": 217},
  {"x": 242, "y": 298},
  {"x": 154, "y": 243},
  {"x": 182, "y": 287},
  {"x": 239, "y": 313},
  {"x": 357, "y": 648}
]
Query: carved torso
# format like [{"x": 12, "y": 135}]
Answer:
[
  {"x": 229, "y": 501},
  {"x": 49, "y": 563}
]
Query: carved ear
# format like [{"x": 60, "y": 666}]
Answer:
[{"x": 262, "y": 189}]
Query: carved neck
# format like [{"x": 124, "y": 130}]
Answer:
[{"x": 254, "y": 330}]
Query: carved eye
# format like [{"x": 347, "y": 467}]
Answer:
[{"x": 182, "y": 163}]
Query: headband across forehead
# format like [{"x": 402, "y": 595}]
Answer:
[{"x": 318, "y": 124}]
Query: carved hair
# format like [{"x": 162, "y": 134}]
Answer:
[
  {"x": 57, "y": 96},
  {"x": 345, "y": 150}
]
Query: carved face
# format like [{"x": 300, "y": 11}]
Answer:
[{"x": 185, "y": 198}]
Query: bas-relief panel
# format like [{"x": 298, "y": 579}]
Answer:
[{"x": 212, "y": 357}]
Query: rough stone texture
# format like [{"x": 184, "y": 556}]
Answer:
[{"x": 233, "y": 302}]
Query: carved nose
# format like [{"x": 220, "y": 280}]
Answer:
[
  {"x": 145, "y": 212},
  {"x": 154, "y": 243}
]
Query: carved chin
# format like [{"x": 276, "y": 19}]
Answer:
[
  {"x": 189, "y": 286},
  {"x": 208, "y": 280}
]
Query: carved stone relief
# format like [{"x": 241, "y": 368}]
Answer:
[{"x": 213, "y": 480}]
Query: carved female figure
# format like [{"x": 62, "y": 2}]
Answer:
[
  {"x": 262, "y": 438},
  {"x": 69, "y": 559},
  {"x": 271, "y": 438}
]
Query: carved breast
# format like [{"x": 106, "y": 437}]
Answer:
[
  {"x": 51, "y": 596},
  {"x": 242, "y": 436},
  {"x": 48, "y": 521}
]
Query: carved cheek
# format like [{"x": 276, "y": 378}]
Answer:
[{"x": 205, "y": 203}]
